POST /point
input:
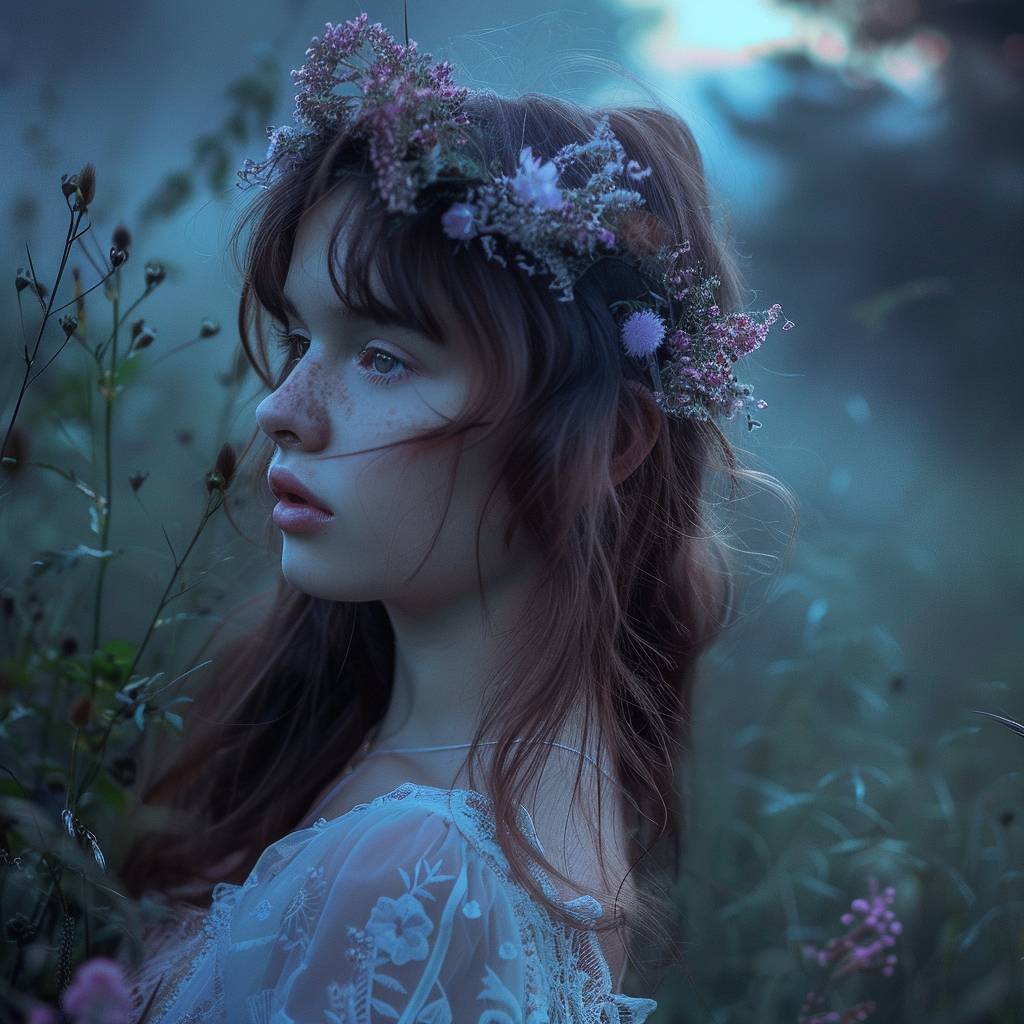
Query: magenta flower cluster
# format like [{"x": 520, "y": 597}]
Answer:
[
  {"x": 698, "y": 380},
  {"x": 865, "y": 947},
  {"x": 99, "y": 993}
]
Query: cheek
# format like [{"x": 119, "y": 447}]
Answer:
[{"x": 393, "y": 502}]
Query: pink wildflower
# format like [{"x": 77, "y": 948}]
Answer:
[
  {"x": 861, "y": 949},
  {"x": 99, "y": 993}
]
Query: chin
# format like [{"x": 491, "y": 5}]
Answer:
[{"x": 310, "y": 573}]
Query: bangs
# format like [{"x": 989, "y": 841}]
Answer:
[{"x": 386, "y": 268}]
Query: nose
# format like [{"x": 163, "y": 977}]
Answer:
[{"x": 292, "y": 417}]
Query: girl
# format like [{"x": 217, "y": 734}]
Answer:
[{"x": 423, "y": 785}]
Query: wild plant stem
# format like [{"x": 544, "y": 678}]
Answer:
[
  {"x": 68, "y": 242},
  {"x": 109, "y": 396},
  {"x": 212, "y": 506}
]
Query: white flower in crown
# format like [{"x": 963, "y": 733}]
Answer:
[{"x": 536, "y": 182}]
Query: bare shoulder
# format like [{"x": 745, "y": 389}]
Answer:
[{"x": 575, "y": 827}]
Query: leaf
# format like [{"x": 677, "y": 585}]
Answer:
[
  {"x": 140, "y": 714},
  {"x": 66, "y": 559},
  {"x": 172, "y": 719},
  {"x": 858, "y": 787},
  {"x": 848, "y": 846},
  {"x": 820, "y": 887},
  {"x": 785, "y": 803},
  {"x": 990, "y": 915},
  {"x": 954, "y": 734}
]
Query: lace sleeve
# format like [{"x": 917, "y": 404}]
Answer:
[{"x": 401, "y": 920}]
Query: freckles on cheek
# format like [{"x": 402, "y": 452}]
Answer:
[{"x": 320, "y": 391}]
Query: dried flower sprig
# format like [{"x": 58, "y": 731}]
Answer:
[{"x": 405, "y": 102}]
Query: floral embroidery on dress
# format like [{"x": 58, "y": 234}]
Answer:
[
  {"x": 396, "y": 932},
  {"x": 302, "y": 907},
  {"x": 400, "y": 928}
]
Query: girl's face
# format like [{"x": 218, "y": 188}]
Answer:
[{"x": 358, "y": 385}]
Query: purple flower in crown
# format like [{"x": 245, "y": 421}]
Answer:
[
  {"x": 642, "y": 333},
  {"x": 457, "y": 221},
  {"x": 537, "y": 182}
]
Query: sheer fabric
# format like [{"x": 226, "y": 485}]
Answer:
[{"x": 402, "y": 909}]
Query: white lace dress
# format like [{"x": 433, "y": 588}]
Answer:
[{"x": 402, "y": 909}]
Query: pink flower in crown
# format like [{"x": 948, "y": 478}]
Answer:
[
  {"x": 99, "y": 993},
  {"x": 457, "y": 221},
  {"x": 537, "y": 182}
]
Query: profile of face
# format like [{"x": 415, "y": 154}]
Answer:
[{"x": 359, "y": 385}]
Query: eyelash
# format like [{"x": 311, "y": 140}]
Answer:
[{"x": 285, "y": 343}]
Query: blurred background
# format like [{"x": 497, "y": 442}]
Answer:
[{"x": 866, "y": 160}]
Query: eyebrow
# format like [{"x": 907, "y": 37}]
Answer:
[
  {"x": 347, "y": 317},
  {"x": 294, "y": 310}
]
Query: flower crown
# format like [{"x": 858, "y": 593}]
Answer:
[{"x": 411, "y": 116}]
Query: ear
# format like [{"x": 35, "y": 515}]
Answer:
[{"x": 635, "y": 438}]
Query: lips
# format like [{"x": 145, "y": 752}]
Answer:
[{"x": 287, "y": 486}]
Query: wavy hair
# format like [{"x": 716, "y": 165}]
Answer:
[{"x": 638, "y": 584}]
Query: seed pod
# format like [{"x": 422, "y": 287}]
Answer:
[
  {"x": 223, "y": 471},
  {"x": 55, "y": 782},
  {"x": 144, "y": 338},
  {"x": 87, "y": 184},
  {"x": 16, "y": 450},
  {"x": 155, "y": 273},
  {"x": 121, "y": 238},
  {"x": 81, "y": 711},
  {"x": 19, "y": 930},
  {"x": 124, "y": 770}
]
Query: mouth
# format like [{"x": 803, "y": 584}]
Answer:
[
  {"x": 288, "y": 489},
  {"x": 298, "y": 501}
]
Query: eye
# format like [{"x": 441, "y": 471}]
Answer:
[
  {"x": 294, "y": 347},
  {"x": 287, "y": 343},
  {"x": 390, "y": 360}
]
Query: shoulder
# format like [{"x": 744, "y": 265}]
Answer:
[
  {"x": 393, "y": 907},
  {"x": 416, "y": 844}
]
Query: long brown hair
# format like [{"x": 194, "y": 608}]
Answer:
[{"x": 639, "y": 581}]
